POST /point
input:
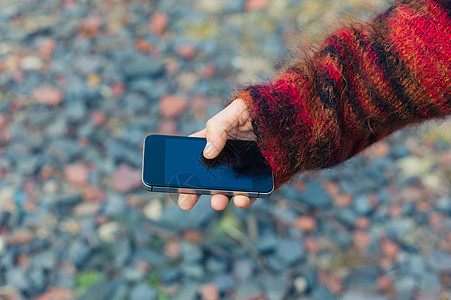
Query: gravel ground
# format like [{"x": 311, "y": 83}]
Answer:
[{"x": 83, "y": 82}]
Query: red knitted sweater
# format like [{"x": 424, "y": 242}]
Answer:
[{"x": 367, "y": 81}]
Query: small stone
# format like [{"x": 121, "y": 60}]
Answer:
[
  {"x": 98, "y": 118},
  {"x": 153, "y": 210},
  {"x": 172, "y": 249},
  {"x": 216, "y": 265},
  {"x": 38, "y": 280},
  {"x": 315, "y": 196},
  {"x": 48, "y": 95},
  {"x": 362, "y": 223},
  {"x": 381, "y": 149},
  {"x": 123, "y": 153},
  {"x": 168, "y": 127},
  {"x": 362, "y": 205},
  {"x": 440, "y": 261},
  {"x": 98, "y": 290},
  {"x": 256, "y": 5},
  {"x": 88, "y": 64},
  {"x": 362, "y": 240},
  {"x": 143, "y": 292},
  {"x": 385, "y": 284},
  {"x": 275, "y": 288},
  {"x": 305, "y": 223},
  {"x": 107, "y": 231},
  {"x": 209, "y": 291},
  {"x": 243, "y": 269},
  {"x": 169, "y": 275},
  {"x": 289, "y": 252},
  {"x": 126, "y": 179},
  {"x": 191, "y": 252},
  {"x": 46, "y": 260},
  {"x": 122, "y": 250},
  {"x": 405, "y": 288},
  {"x": 76, "y": 112},
  {"x": 31, "y": 63},
  {"x": 79, "y": 252},
  {"x": 198, "y": 106},
  {"x": 311, "y": 245},
  {"x": 187, "y": 292},
  {"x": 60, "y": 201},
  {"x": 249, "y": 290},
  {"x": 93, "y": 79},
  {"x": 55, "y": 293},
  {"x": 92, "y": 193},
  {"x": 208, "y": 71},
  {"x": 144, "y": 46},
  {"x": 118, "y": 90},
  {"x": 64, "y": 279},
  {"x": 158, "y": 23},
  {"x": 186, "y": 51},
  {"x": 225, "y": 283},
  {"x": 193, "y": 271},
  {"x": 363, "y": 277},
  {"x": 346, "y": 216},
  {"x": 2, "y": 245},
  {"x": 172, "y": 106},
  {"x": 115, "y": 205},
  {"x": 86, "y": 209},
  {"x": 389, "y": 248},
  {"x": 90, "y": 26},
  {"x": 284, "y": 214},
  {"x": 19, "y": 237},
  {"x": 300, "y": 284},
  {"x": 77, "y": 173},
  {"x": 143, "y": 66},
  {"x": 266, "y": 242},
  {"x": 17, "y": 277},
  {"x": 399, "y": 229},
  {"x": 46, "y": 48}
]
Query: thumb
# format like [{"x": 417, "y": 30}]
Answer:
[
  {"x": 216, "y": 139},
  {"x": 218, "y": 127}
]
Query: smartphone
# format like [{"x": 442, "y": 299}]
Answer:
[{"x": 176, "y": 164}]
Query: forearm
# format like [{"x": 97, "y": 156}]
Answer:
[{"x": 366, "y": 82}]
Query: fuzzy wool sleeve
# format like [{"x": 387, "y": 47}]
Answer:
[{"x": 367, "y": 81}]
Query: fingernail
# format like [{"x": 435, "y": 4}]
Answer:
[
  {"x": 185, "y": 202},
  {"x": 208, "y": 149}
]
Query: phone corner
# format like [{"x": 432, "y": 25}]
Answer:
[
  {"x": 266, "y": 194},
  {"x": 145, "y": 186}
]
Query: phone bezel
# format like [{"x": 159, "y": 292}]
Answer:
[{"x": 153, "y": 168}]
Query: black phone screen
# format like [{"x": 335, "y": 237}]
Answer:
[{"x": 174, "y": 161}]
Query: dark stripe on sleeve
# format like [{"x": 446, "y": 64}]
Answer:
[
  {"x": 328, "y": 91},
  {"x": 389, "y": 62},
  {"x": 377, "y": 100},
  {"x": 350, "y": 93}
]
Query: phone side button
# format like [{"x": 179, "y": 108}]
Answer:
[{"x": 159, "y": 189}]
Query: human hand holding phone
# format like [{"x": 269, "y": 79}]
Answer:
[{"x": 232, "y": 122}]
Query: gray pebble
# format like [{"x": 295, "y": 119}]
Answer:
[
  {"x": 143, "y": 292},
  {"x": 289, "y": 252},
  {"x": 143, "y": 66},
  {"x": 440, "y": 261}
]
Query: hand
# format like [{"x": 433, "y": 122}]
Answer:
[{"x": 232, "y": 122}]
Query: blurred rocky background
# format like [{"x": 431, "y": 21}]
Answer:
[{"x": 83, "y": 82}]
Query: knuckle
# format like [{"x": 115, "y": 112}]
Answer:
[{"x": 210, "y": 123}]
